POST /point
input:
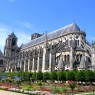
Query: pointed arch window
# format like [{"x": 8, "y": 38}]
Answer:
[
  {"x": 13, "y": 41},
  {"x": 76, "y": 42}
]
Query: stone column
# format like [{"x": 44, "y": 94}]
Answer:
[
  {"x": 93, "y": 56},
  {"x": 28, "y": 64},
  {"x": 14, "y": 66},
  {"x": 24, "y": 65},
  {"x": 71, "y": 58},
  {"x": 17, "y": 64},
  {"x": 66, "y": 58},
  {"x": 20, "y": 64},
  {"x": 33, "y": 64},
  {"x": 38, "y": 63},
  {"x": 44, "y": 60},
  {"x": 11, "y": 70},
  {"x": 51, "y": 60}
]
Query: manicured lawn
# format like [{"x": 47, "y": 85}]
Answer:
[{"x": 84, "y": 93}]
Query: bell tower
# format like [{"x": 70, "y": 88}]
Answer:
[
  {"x": 10, "y": 45},
  {"x": 11, "y": 50}
]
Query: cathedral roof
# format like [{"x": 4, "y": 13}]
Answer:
[
  {"x": 72, "y": 28},
  {"x": 1, "y": 54},
  {"x": 75, "y": 27}
]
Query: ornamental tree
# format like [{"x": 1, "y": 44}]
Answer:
[{"x": 72, "y": 85}]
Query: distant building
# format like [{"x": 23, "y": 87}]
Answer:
[
  {"x": 62, "y": 49},
  {"x": 35, "y": 35}
]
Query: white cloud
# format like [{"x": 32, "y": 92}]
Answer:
[
  {"x": 3, "y": 36},
  {"x": 22, "y": 37},
  {"x": 5, "y": 30}
]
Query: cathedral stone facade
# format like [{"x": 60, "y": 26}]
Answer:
[{"x": 62, "y": 49}]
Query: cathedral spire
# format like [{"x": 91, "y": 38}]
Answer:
[{"x": 13, "y": 35}]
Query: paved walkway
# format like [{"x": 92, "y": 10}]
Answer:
[
  {"x": 2, "y": 92},
  {"x": 85, "y": 93}
]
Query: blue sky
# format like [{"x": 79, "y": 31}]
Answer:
[{"x": 26, "y": 17}]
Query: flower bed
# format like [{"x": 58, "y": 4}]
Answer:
[
  {"x": 47, "y": 89},
  {"x": 20, "y": 90}
]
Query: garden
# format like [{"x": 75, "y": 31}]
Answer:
[{"x": 49, "y": 83}]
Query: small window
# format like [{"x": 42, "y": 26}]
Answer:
[
  {"x": 13, "y": 41},
  {"x": 1, "y": 62},
  {"x": 78, "y": 42}
]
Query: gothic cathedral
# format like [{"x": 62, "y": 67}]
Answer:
[{"x": 62, "y": 49}]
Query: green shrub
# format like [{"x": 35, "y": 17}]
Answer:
[
  {"x": 39, "y": 76},
  {"x": 70, "y": 75},
  {"x": 46, "y": 76},
  {"x": 54, "y": 76},
  {"x": 61, "y": 76},
  {"x": 34, "y": 76}
]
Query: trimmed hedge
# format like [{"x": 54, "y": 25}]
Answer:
[{"x": 83, "y": 76}]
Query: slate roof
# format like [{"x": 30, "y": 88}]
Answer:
[{"x": 57, "y": 33}]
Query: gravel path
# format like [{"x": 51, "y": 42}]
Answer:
[{"x": 2, "y": 92}]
